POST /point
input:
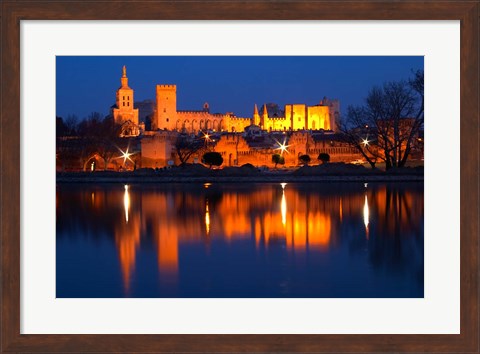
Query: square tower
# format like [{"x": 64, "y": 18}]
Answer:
[{"x": 166, "y": 108}]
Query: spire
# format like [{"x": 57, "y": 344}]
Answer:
[
  {"x": 256, "y": 116},
  {"x": 264, "y": 117},
  {"x": 265, "y": 112},
  {"x": 124, "y": 79}
]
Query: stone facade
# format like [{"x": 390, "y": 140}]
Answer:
[
  {"x": 158, "y": 148},
  {"x": 167, "y": 117}
]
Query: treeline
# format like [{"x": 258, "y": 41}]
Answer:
[{"x": 94, "y": 138}]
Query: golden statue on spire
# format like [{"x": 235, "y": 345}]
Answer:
[{"x": 124, "y": 71}]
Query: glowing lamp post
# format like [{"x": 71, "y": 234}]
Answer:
[
  {"x": 282, "y": 147},
  {"x": 125, "y": 155}
]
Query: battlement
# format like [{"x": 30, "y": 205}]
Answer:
[
  {"x": 195, "y": 112},
  {"x": 276, "y": 118},
  {"x": 166, "y": 87},
  {"x": 239, "y": 118}
]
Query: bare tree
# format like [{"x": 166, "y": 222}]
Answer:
[
  {"x": 386, "y": 126},
  {"x": 106, "y": 149},
  {"x": 187, "y": 145}
]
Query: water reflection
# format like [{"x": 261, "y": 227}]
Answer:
[
  {"x": 296, "y": 232},
  {"x": 207, "y": 218},
  {"x": 283, "y": 205},
  {"x": 126, "y": 202},
  {"x": 366, "y": 214}
]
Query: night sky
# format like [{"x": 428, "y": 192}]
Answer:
[{"x": 86, "y": 84}]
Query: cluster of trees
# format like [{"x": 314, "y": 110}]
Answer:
[
  {"x": 79, "y": 140},
  {"x": 278, "y": 159},
  {"x": 385, "y": 128}
]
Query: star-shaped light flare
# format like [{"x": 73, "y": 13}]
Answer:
[
  {"x": 282, "y": 146},
  {"x": 126, "y": 155}
]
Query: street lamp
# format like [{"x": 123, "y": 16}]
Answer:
[
  {"x": 282, "y": 147},
  {"x": 126, "y": 155}
]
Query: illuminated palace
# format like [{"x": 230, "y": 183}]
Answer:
[
  {"x": 296, "y": 117},
  {"x": 306, "y": 130},
  {"x": 167, "y": 117}
]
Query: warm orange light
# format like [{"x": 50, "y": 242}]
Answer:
[{"x": 207, "y": 219}]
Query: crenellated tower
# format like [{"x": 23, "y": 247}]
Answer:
[{"x": 166, "y": 108}]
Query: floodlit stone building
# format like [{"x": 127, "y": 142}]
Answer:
[
  {"x": 167, "y": 117},
  {"x": 300, "y": 117}
]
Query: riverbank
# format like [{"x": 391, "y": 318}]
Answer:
[{"x": 246, "y": 173}]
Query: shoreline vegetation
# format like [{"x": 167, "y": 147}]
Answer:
[{"x": 197, "y": 173}]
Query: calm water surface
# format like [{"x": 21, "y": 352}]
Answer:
[{"x": 240, "y": 240}]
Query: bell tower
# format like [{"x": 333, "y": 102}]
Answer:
[{"x": 124, "y": 110}]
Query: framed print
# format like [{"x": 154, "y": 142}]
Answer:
[{"x": 328, "y": 220}]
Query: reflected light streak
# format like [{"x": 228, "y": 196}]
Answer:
[
  {"x": 284, "y": 209},
  {"x": 207, "y": 218},
  {"x": 126, "y": 202},
  {"x": 340, "y": 209},
  {"x": 366, "y": 214}
]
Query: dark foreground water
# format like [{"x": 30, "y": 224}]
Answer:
[{"x": 240, "y": 240}]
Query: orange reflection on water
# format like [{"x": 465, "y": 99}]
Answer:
[
  {"x": 207, "y": 218},
  {"x": 167, "y": 251},
  {"x": 127, "y": 239},
  {"x": 267, "y": 215}
]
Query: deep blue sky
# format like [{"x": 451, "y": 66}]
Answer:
[{"x": 229, "y": 84}]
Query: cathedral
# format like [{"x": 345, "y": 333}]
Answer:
[{"x": 167, "y": 117}]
